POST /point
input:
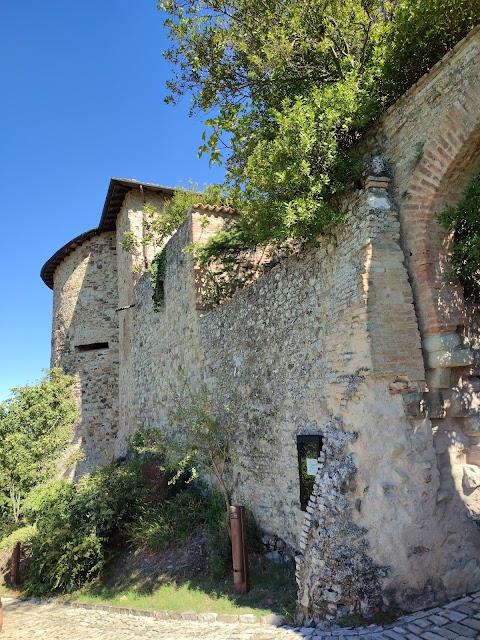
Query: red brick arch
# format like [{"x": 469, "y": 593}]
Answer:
[{"x": 448, "y": 159}]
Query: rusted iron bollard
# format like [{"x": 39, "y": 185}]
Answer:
[
  {"x": 238, "y": 528},
  {"x": 15, "y": 572}
]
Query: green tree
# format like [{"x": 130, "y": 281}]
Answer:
[
  {"x": 35, "y": 428},
  {"x": 207, "y": 437},
  {"x": 422, "y": 33},
  {"x": 288, "y": 85}
]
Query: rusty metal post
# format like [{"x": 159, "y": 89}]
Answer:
[
  {"x": 15, "y": 573},
  {"x": 238, "y": 528}
]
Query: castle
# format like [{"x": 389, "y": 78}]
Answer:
[{"x": 361, "y": 353}]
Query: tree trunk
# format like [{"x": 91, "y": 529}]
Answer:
[{"x": 226, "y": 497}]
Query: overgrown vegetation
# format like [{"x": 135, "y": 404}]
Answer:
[
  {"x": 288, "y": 87},
  {"x": 78, "y": 525},
  {"x": 422, "y": 33},
  {"x": 157, "y": 271},
  {"x": 160, "y": 224},
  {"x": 73, "y": 530},
  {"x": 463, "y": 220},
  {"x": 148, "y": 501},
  {"x": 35, "y": 428}
]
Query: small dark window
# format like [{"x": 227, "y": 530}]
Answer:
[
  {"x": 308, "y": 448},
  {"x": 94, "y": 346}
]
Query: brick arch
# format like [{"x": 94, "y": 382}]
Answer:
[{"x": 438, "y": 179}]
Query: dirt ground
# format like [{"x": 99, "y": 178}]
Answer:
[{"x": 150, "y": 570}]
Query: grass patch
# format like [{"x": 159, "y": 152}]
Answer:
[
  {"x": 379, "y": 617},
  {"x": 273, "y": 591}
]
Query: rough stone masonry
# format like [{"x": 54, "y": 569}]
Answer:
[{"x": 362, "y": 340}]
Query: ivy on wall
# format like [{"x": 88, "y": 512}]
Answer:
[{"x": 157, "y": 271}]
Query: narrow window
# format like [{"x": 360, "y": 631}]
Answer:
[
  {"x": 94, "y": 346},
  {"x": 308, "y": 448}
]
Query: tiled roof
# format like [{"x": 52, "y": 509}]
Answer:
[
  {"x": 215, "y": 208},
  {"x": 117, "y": 190},
  {"x": 48, "y": 269}
]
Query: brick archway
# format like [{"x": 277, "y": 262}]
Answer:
[{"x": 438, "y": 179}]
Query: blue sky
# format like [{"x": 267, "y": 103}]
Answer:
[{"x": 81, "y": 102}]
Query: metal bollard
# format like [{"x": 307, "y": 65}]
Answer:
[
  {"x": 238, "y": 528},
  {"x": 15, "y": 572}
]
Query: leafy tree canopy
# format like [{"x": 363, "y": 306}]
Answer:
[
  {"x": 286, "y": 87},
  {"x": 35, "y": 427}
]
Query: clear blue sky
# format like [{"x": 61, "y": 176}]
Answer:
[{"x": 82, "y": 87}]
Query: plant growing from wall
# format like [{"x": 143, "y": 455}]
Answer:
[
  {"x": 463, "y": 219},
  {"x": 35, "y": 428},
  {"x": 157, "y": 271},
  {"x": 159, "y": 224},
  {"x": 205, "y": 437},
  {"x": 289, "y": 86}
]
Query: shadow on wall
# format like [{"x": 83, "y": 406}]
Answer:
[
  {"x": 85, "y": 344},
  {"x": 451, "y": 345}
]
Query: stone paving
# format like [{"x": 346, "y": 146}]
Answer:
[{"x": 25, "y": 620}]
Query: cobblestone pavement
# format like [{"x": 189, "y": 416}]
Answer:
[{"x": 26, "y": 620}]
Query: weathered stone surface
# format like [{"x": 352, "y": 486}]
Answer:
[
  {"x": 466, "y": 579},
  {"x": 84, "y": 313},
  {"x": 438, "y": 378},
  {"x": 471, "y": 476},
  {"x": 434, "y": 404},
  {"x": 443, "y": 342},
  {"x": 458, "y": 358},
  {"x": 414, "y": 406},
  {"x": 326, "y": 342}
]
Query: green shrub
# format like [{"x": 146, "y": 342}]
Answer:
[
  {"x": 171, "y": 522},
  {"x": 422, "y": 33},
  {"x": 21, "y": 534},
  {"x": 463, "y": 219},
  {"x": 68, "y": 549},
  {"x": 77, "y": 524},
  {"x": 77, "y": 527}
]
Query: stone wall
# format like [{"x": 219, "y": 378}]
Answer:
[
  {"x": 85, "y": 314},
  {"x": 362, "y": 340},
  {"x": 164, "y": 346},
  {"x": 130, "y": 267},
  {"x": 325, "y": 343},
  {"x": 161, "y": 350},
  {"x": 431, "y": 137}
]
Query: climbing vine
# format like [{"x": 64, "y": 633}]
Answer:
[
  {"x": 288, "y": 85},
  {"x": 157, "y": 272}
]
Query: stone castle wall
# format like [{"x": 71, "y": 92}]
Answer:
[
  {"x": 130, "y": 267},
  {"x": 362, "y": 340},
  {"x": 431, "y": 138},
  {"x": 85, "y": 313}
]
